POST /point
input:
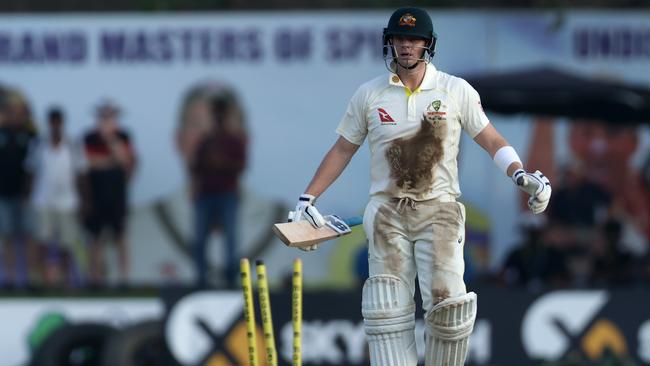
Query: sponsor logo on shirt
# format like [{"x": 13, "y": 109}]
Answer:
[
  {"x": 433, "y": 113},
  {"x": 384, "y": 117}
]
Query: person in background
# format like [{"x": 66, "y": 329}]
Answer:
[
  {"x": 578, "y": 201},
  {"x": 57, "y": 164},
  {"x": 16, "y": 134},
  {"x": 215, "y": 170},
  {"x": 111, "y": 163},
  {"x": 534, "y": 263},
  {"x": 612, "y": 264},
  {"x": 602, "y": 178}
]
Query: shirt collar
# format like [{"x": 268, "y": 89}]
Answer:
[{"x": 429, "y": 81}]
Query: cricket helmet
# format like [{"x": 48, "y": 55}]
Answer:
[{"x": 410, "y": 22}]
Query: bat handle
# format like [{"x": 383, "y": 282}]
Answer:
[{"x": 354, "y": 221}]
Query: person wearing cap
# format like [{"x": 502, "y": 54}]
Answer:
[
  {"x": 111, "y": 162},
  {"x": 412, "y": 119}
]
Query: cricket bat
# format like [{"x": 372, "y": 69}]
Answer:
[{"x": 300, "y": 234}]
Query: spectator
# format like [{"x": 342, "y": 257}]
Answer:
[
  {"x": 578, "y": 201},
  {"x": 215, "y": 169},
  {"x": 612, "y": 265},
  {"x": 604, "y": 181},
  {"x": 16, "y": 134},
  {"x": 540, "y": 260},
  {"x": 57, "y": 164},
  {"x": 111, "y": 163},
  {"x": 604, "y": 154}
]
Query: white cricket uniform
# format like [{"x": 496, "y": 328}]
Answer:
[
  {"x": 55, "y": 198},
  {"x": 413, "y": 223}
]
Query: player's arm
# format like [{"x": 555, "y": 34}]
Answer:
[
  {"x": 352, "y": 131},
  {"x": 505, "y": 157},
  {"x": 491, "y": 141},
  {"x": 333, "y": 164}
]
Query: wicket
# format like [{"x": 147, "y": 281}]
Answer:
[
  {"x": 265, "y": 310},
  {"x": 296, "y": 311},
  {"x": 249, "y": 311}
]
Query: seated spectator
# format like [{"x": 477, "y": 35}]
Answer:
[
  {"x": 612, "y": 265},
  {"x": 540, "y": 260}
]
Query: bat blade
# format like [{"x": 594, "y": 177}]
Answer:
[{"x": 302, "y": 234}]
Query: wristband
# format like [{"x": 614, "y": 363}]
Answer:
[{"x": 504, "y": 157}]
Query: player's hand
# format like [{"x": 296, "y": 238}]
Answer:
[
  {"x": 305, "y": 210},
  {"x": 306, "y": 249},
  {"x": 537, "y": 186}
]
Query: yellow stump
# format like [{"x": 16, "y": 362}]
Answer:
[
  {"x": 296, "y": 311},
  {"x": 249, "y": 311},
  {"x": 265, "y": 309}
]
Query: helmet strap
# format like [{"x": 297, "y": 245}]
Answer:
[
  {"x": 409, "y": 67},
  {"x": 392, "y": 63}
]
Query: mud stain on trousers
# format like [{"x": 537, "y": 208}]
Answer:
[
  {"x": 387, "y": 235},
  {"x": 448, "y": 228}
]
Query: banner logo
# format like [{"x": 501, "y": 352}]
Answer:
[
  {"x": 562, "y": 322},
  {"x": 208, "y": 328}
]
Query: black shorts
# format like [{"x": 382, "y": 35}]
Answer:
[{"x": 107, "y": 217}]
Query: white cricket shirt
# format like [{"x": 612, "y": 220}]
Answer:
[
  {"x": 55, "y": 170},
  {"x": 413, "y": 136}
]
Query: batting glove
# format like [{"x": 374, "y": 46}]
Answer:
[
  {"x": 292, "y": 214},
  {"x": 305, "y": 210},
  {"x": 537, "y": 186}
]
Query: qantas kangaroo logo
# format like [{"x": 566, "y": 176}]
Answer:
[{"x": 384, "y": 117}]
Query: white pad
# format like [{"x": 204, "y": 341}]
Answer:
[
  {"x": 389, "y": 319},
  {"x": 449, "y": 325}
]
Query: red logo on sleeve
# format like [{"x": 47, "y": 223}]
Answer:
[{"x": 384, "y": 116}]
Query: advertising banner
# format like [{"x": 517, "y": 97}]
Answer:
[
  {"x": 292, "y": 75},
  {"x": 513, "y": 326},
  {"x": 579, "y": 326},
  {"x": 26, "y": 320}
]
